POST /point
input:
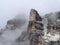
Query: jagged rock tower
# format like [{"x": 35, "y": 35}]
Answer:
[{"x": 35, "y": 28}]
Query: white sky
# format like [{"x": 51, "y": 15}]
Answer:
[{"x": 10, "y": 8}]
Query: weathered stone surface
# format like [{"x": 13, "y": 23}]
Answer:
[
  {"x": 34, "y": 15},
  {"x": 35, "y": 28}
]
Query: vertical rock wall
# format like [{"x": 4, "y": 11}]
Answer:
[{"x": 35, "y": 28}]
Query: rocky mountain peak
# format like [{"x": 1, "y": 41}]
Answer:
[{"x": 34, "y": 13}]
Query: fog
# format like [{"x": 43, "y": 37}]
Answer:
[{"x": 11, "y": 8}]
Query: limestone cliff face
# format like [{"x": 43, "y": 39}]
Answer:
[
  {"x": 34, "y": 18},
  {"x": 35, "y": 28}
]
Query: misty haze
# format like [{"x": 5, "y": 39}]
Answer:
[{"x": 15, "y": 21}]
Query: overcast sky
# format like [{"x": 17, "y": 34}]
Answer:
[{"x": 11, "y": 8}]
